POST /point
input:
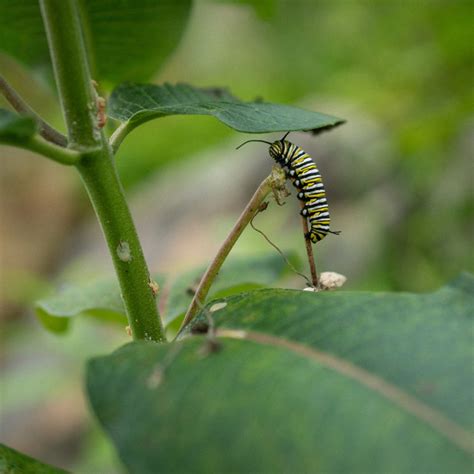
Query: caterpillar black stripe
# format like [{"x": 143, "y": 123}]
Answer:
[{"x": 304, "y": 173}]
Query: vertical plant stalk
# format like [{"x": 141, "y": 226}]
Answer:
[
  {"x": 97, "y": 168},
  {"x": 253, "y": 206},
  {"x": 101, "y": 180},
  {"x": 309, "y": 251},
  {"x": 71, "y": 71}
]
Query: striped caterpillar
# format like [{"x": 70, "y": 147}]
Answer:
[{"x": 306, "y": 178}]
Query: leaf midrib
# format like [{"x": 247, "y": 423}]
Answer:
[
  {"x": 209, "y": 107},
  {"x": 449, "y": 429}
]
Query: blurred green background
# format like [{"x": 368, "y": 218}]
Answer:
[{"x": 398, "y": 177}]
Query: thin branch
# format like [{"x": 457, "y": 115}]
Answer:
[
  {"x": 16, "y": 101},
  {"x": 52, "y": 151},
  {"x": 309, "y": 250},
  {"x": 275, "y": 179}
]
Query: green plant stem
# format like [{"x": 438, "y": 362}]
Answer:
[
  {"x": 16, "y": 101},
  {"x": 274, "y": 180},
  {"x": 71, "y": 70},
  {"x": 96, "y": 167},
  {"x": 100, "y": 177}
]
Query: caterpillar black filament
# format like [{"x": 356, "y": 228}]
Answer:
[{"x": 306, "y": 178}]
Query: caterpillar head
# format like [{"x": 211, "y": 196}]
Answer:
[{"x": 276, "y": 150}]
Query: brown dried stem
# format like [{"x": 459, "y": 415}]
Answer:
[
  {"x": 16, "y": 101},
  {"x": 309, "y": 250},
  {"x": 275, "y": 180}
]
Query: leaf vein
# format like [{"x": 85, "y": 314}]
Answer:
[{"x": 439, "y": 422}]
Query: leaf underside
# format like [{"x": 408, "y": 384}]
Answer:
[
  {"x": 99, "y": 298},
  {"x": 138, "y": 103},
  {"x": 299, "y": 382}
]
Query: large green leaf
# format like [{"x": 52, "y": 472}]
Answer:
[
  {"x": 15, "y": 128},
  {"x": 128, "y": 40},
  {"x": 300, "y": 382},
  {"x": 138, "y": 103},
  {"x": 13, "y": 462}
]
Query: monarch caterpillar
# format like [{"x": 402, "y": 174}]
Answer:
[{"x": 306, "y": 178}]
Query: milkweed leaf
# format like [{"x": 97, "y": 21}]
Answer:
[
  {"x": 299, "y": 382},
  {"x": 139, "y": 103}
]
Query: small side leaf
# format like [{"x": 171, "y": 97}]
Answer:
[
  {"x": 15, "y": 128},
  {"x": 138, "y": 103},
  {"x": 100, "y": 298},
  {"x": 14, "y": 462}
]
